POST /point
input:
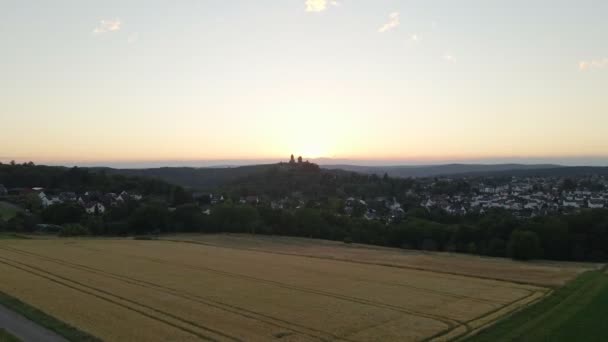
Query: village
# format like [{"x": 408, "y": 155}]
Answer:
[
  {"x": 524, "y": 197},
  {"x": 93, "y": 202}
]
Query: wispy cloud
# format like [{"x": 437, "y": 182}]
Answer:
[
  {"x": 110, "y": 25},
  {"x": 593, "y": 64},
  {"x": 319, "y": 5},
  {"x": 393, "y": 21}
]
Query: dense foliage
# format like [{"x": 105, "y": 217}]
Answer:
[{"x": 76, "y": 179}]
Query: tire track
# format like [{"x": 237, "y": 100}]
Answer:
[
  {"x": 448, "y": 321},
  {"x": 192, "y": 297},
  {"x": 470, "y": 329},
  {"x": 478, "y": 329},
  {"x": 40, "y": 273},
  {"x": 406, "y": 267}
]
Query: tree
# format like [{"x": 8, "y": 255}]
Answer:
[
  {"x": 569, "y": 185},
  {"x": 63, "y": 213},
  {"x": 74, "y": 229},
  {"x": 292, "y": 160},
  {"x": 149, "y": 218},
  {"x": 300, "y": 160},
  {"x": 524, "y": 245}
]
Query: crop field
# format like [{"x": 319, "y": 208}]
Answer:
[{"x": 224, "y": 289}]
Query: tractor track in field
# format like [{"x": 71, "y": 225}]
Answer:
[
  {"x": 435, "y": 273},
  {"x": 66, "y": 282},
  {"x": 413, "y": 287},
  {"x": 447, "y": 321},
  {"x": 451, "y": 324},
  {"x": 470, "y": 329},
  {"x": 192, "y": 297}
]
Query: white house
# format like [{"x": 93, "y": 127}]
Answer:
[
  {"x": 46, "y": 202},
  {"x": 95, "y": 208},
  {"x": 570, "y": 203},
  {"x": 595, "y": 204}
]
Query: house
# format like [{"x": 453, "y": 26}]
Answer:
[
  {"x": 216, "y": 199},
  {"x": 67, "y": 196},
  {"x": 20, "y": 191},
  {"x": 95, "y": 208},
  {"x": 570, "y": 203},
  {"x": 251, "y": 200},
  {"x": 595, "y": 204},
  {"x": 3, "y": 191},
  {"x": 46, "y": 201}
]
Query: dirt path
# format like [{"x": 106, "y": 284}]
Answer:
[{"x": 25, "y": 329}]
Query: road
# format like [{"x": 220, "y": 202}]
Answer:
[{"x": 25, "y": 329}]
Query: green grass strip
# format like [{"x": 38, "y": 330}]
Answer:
[
  {"x": 5, "y": 336},
  {"x": 41, "y": 318},
  {"x": 13, "y": 236},
  {"x": 575, "y": 312}
]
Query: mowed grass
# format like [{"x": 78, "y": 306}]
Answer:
[
  {"x": 575, "y": 312},
  {"x": 5, "y": 336},
  {"x": 120, "y": 289},
  {"x": 43, "y": 319}
]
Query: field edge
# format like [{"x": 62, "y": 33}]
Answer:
[
  {"x": 45, "y": 320},
  {"x": 6, "y": 336},
  {"x": 504, "y": 328}
]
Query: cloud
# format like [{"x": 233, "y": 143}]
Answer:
[
  {"x": 393, "y": 21},
  {"x": 104, "y": 26},
  {"x": 319, "y": 5},
  {"x": 593, "y": 64}
]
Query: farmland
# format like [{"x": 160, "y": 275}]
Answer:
[
  {"x": 575, "y": 312},
  {"x": 221, "y": 287}
]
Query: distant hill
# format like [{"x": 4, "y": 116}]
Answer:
[
  {"x": 210, "y": 178},
  {"x": 438, "y": 170},
  {"x": 562, "y": 171},
  {"x": 195, "y": 178}
]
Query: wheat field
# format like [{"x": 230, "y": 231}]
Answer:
[{"x": 222, "y": 288}]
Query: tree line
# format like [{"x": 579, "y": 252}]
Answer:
[{"x": 581, "y": 237}]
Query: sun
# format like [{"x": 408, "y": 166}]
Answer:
[{"x": 313, "y": 153}]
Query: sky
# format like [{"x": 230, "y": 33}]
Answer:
[{"x": 395, "y": 82}]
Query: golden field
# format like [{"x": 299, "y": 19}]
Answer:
[{"x": 243, "y": 288}]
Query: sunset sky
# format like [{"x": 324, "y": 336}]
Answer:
[{"x": 413, "y": 81}]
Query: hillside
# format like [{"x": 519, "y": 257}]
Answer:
[
  {"x": 194, "y": 178},
  {"x": 210, "y": 178},
  {"x": 77, "y": 179},
  {"x": 439, "y": 170}
]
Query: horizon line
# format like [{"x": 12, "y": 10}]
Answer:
[{"x": 371, "y": 162}]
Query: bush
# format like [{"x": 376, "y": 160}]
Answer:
[
  {"x": 74, "y": 230},
  {"x": 524, "y": 245},
  {"x": 145, "y": 237}
]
